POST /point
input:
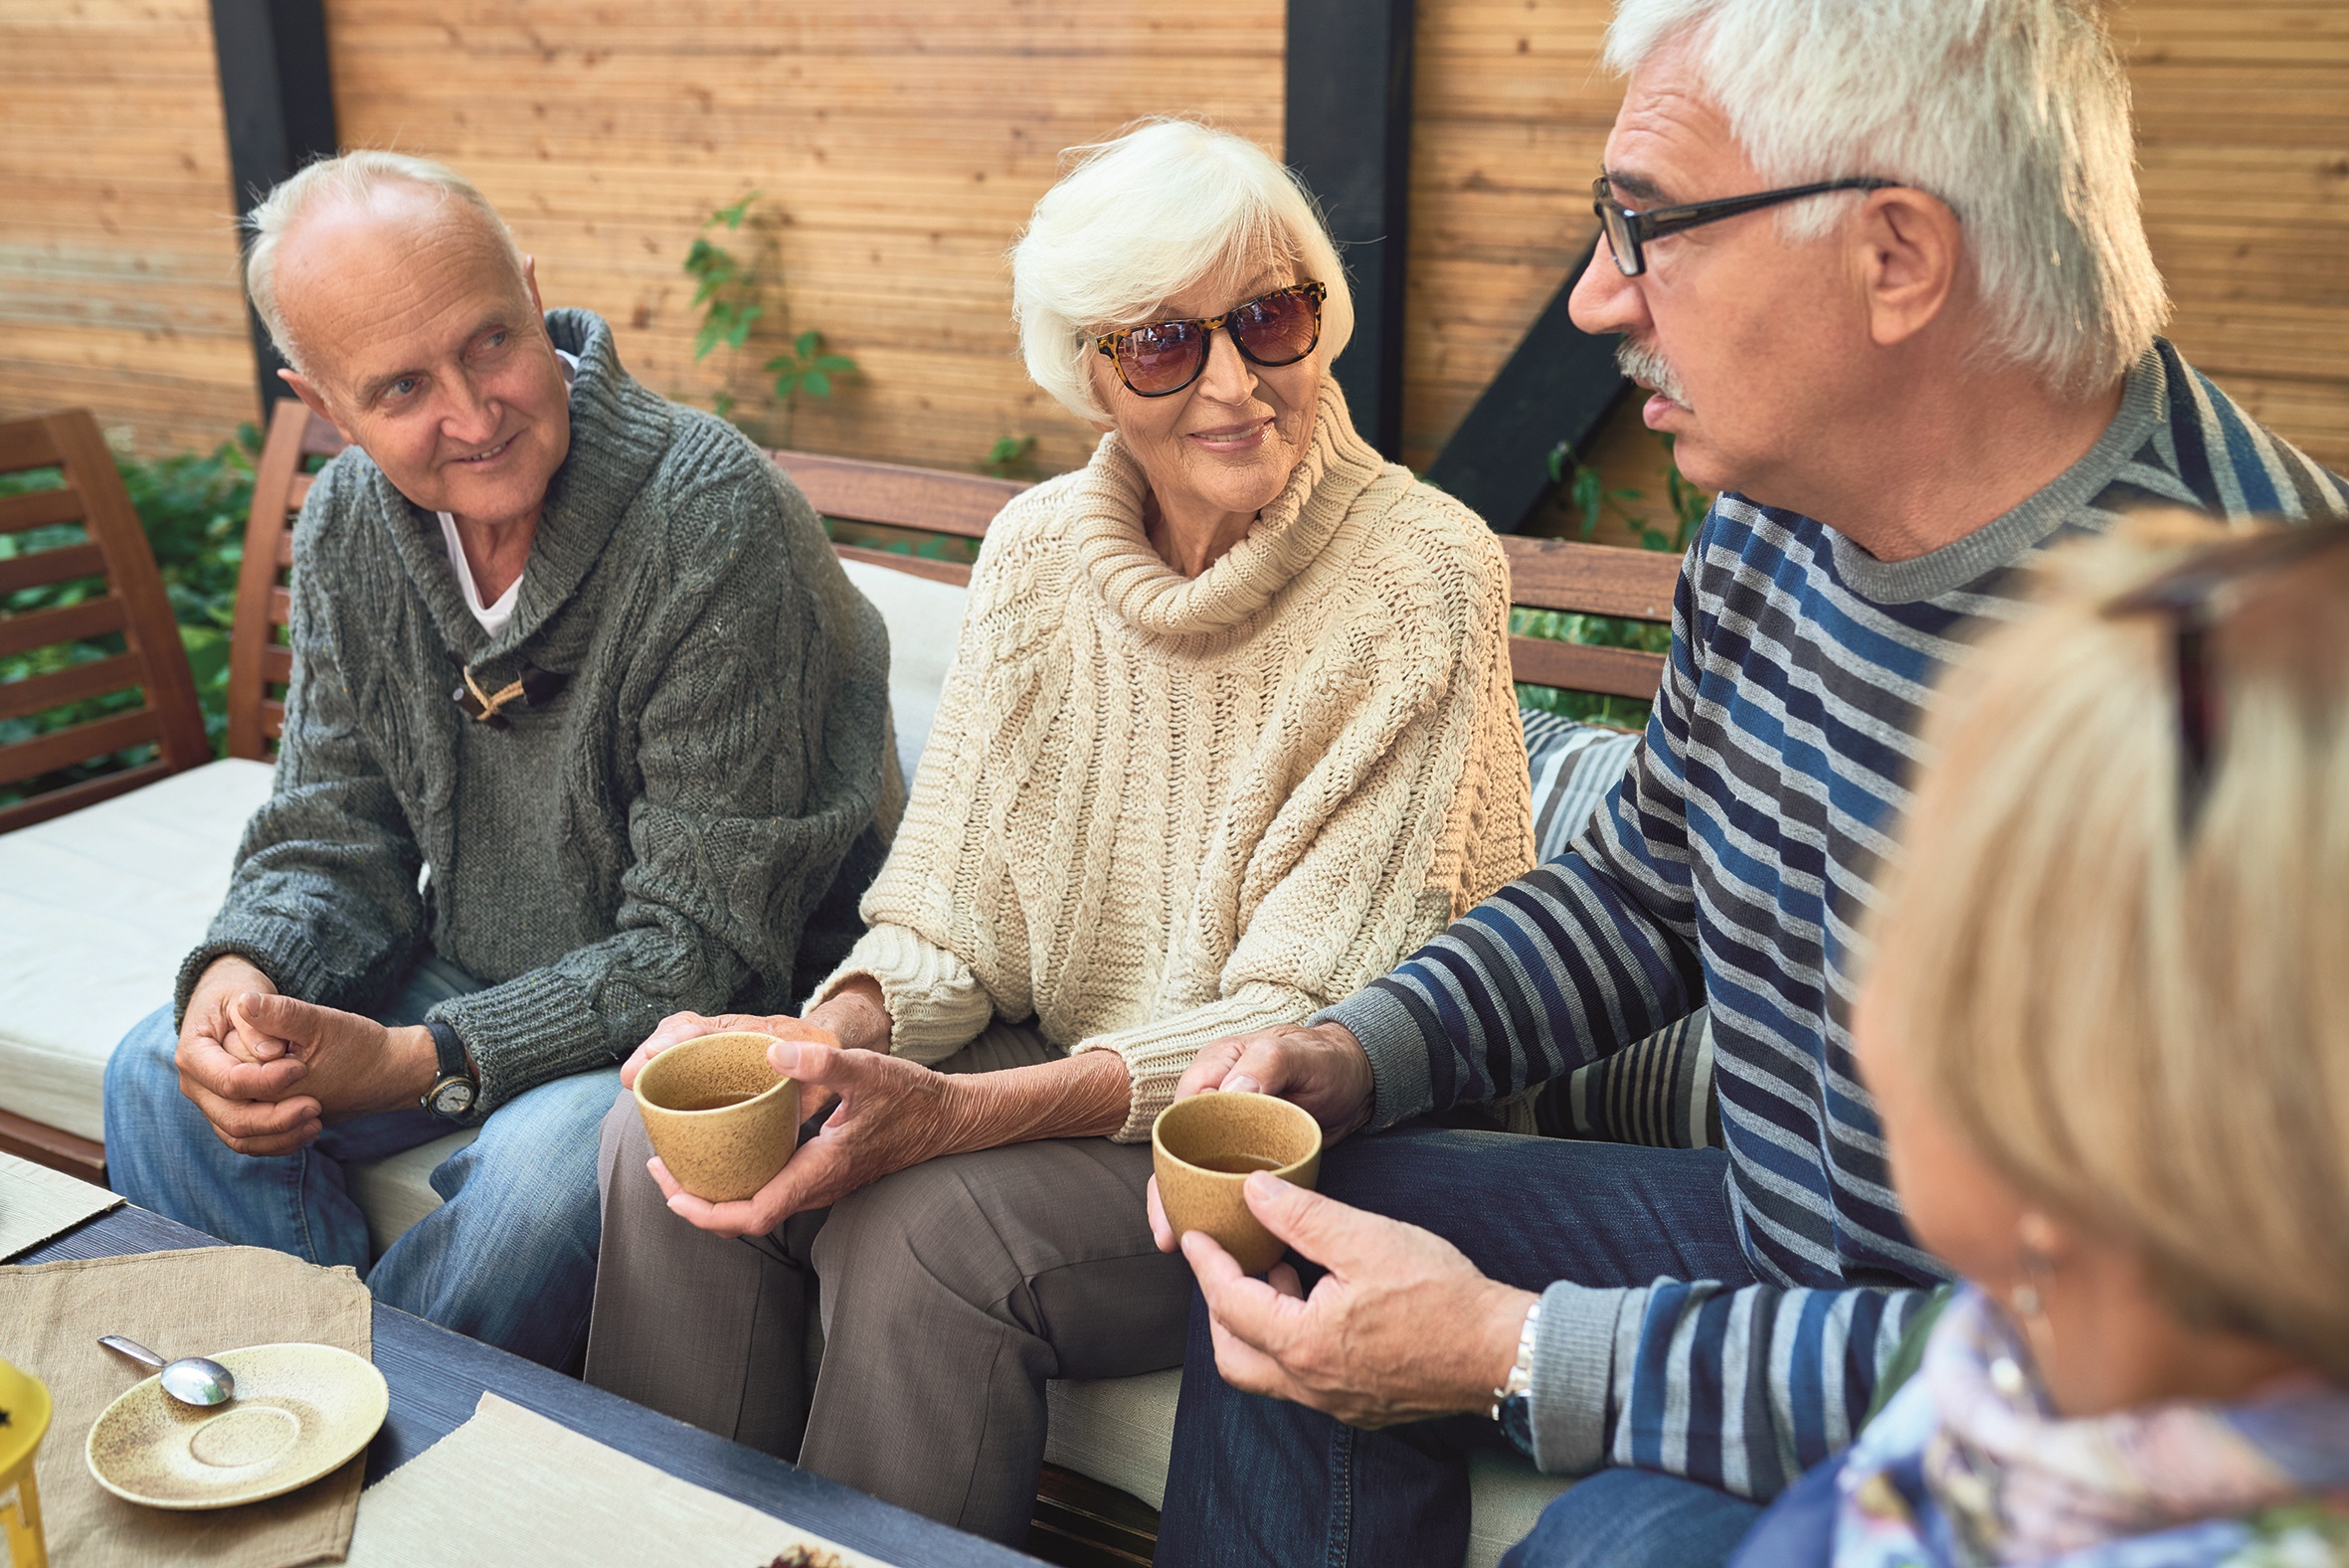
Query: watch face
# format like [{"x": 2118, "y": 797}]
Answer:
[{"x": 453, "y": 1097}]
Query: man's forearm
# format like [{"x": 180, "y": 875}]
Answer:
[{"x": 1083, "y": 1095}]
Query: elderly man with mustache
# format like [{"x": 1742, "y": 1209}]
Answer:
[
  {"x": 587, "y": 727},
  {"x": 1882, "y": 264}
]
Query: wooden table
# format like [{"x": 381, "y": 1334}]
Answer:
[{"x": 437, "y": 1377}]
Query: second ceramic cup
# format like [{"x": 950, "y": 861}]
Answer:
[
  {"x": 718, "y": 1116},
  {"x": 1202, "y": 1151}
]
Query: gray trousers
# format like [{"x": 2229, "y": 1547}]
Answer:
[{"x": 948, "y": 1292}]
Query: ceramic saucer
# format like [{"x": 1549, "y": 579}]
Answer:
[{"x": 300, "y": 1411}]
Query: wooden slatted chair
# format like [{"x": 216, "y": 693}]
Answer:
[
  {"x": 259, "y": 662},
  {"x": 113, "y": 547}
]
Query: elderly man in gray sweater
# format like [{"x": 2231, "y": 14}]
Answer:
[{"x": 587, "y": 727}]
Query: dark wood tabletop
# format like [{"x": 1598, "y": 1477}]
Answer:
[{"x": 437, "y": 1377}]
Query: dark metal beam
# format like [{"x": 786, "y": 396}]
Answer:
[
  {"x": 276, "y": 96},
  {"x": 1560, "y": 385},
  {"x": 1350, "y": 134}
]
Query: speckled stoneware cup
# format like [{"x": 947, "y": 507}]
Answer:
[
  {"x": 300, "y": 1411},
  {"x": 1203, "y": 1149},
  {"x": 718, "y": 1116}
]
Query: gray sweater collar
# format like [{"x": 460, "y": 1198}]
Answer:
[
  {"x": 619, "y": 431},
  {"x": 2004, "y": 540}
]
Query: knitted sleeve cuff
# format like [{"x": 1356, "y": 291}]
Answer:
[
  {"x": 281, "y": 951},
  {"x": 1574, "y": 1374},
  {"x": 1158, "y": 1054},
  {"x": 1401, "y": 1086},
  {"x": 936, "y": 1005},
  {"x": 530, "y": 1030}
]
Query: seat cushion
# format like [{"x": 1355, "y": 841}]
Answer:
[
  {"x": 1120, "y": 1431},
  {"x": 97, "y": 910},
  {"x": 924, "y": 618},
  {"x": 395, "y": 1193},
  {"x": 1574, "y": 766}
]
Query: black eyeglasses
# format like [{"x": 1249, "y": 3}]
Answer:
[
  {"x": 1160, "y": 357},
  {"x": 1628, "y": 230},
  {"x": 2184, "y": 593}
]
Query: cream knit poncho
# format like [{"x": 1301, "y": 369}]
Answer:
[{"x": 1156, "y": 811}]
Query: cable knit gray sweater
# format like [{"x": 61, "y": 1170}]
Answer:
[{"x": 705, "y": 792}]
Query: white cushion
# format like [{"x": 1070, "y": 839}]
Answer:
[
  {"x": 97, "y": 910},
  {"x": 395, "y": 1193},
  {"x": 1120, "y": 1431},
  {"x": 924, "y": 618}
]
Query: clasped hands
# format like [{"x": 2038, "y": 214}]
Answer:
[
  {"x": 1403, "y": 1326},
  {"x": 268, "y": 1071}
]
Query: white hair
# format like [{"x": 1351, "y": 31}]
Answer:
[
  {"x": 2016, "y": 113},
  {"x": 354, "y": 178},
  {"x": 1138, "y": 220}
]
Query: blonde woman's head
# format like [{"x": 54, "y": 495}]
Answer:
[{"x": 2133, "y": 1019}]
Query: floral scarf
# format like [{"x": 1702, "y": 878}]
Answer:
[{"x": 1968, "y": 1465}]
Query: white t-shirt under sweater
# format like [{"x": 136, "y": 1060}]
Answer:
[
  {"x": 492, "y": 617},
  {"x": 1156, "y": 811}
]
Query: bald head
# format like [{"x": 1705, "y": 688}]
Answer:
[{"x": 394, "y": 190}]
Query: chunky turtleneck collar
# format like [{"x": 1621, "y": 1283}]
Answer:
[{"x": 1141, "y": 589}]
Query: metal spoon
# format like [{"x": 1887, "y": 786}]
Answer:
[{"x": 192, "y": 1379}]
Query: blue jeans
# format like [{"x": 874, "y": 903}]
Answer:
[
  {"x": 1256, "y": 1481},
  {"x": 509, "y": 1256}
]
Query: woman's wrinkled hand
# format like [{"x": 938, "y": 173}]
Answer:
[
  {"x": 892, "y": 1113},
  {"x": 678, "y": 1028}
]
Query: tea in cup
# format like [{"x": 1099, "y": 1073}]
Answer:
[
  {"x": 719, "y": 1116},
  {"x": 1202, "y": 1151}
]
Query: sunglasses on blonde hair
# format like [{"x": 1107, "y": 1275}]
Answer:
[
  {"x": 1160, "y": 357},
  {"x": 2184, "y": 594}
]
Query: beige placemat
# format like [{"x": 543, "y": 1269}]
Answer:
[
  {"x": 37, "y": 1203},
  {"x": 512, "y": 1490},
  {"x": 198, "y": 1303}
]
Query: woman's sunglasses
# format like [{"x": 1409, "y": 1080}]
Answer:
[
  {"x": 2185, "y": 594},
  {"x": 1160, "y": 357}
]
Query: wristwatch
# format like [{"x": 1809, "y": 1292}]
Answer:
[
  {"x": 1512, "y": 1403},
  {"x": 455, "y": 1086}
]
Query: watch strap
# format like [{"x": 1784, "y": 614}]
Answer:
[{"x": 449, "y": 1048}]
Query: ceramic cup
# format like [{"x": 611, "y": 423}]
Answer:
[
  {"x": 1203, "y": 1149},
  {"x": 718, "y": 1116}
]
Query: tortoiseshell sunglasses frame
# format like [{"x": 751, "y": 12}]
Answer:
[{"x": 1109, "y": 343}]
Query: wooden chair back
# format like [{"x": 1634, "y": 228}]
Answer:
[
  {"x": 1545, "y": 574},
  {"x": 259, "y": 662},
  {"x": 113, "y": 548}
]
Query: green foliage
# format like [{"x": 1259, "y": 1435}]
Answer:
[
  {"x": 193, "y": 508},
  {"x": 722, "y": 288},
  {"x": 1013, "y": 458},
  {"x": 1687, "y": 504},
  {"x": 727, "y": 291},
  {"x": 1590, "y": 496},
  {"x": 808, "y": 368}
]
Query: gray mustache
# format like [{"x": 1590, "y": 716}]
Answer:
[{"x": 1645, "y": 366}]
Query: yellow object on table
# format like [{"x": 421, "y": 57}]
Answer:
[{"x": 24, "y": 1417}]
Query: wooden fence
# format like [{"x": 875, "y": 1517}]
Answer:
[{"x": 901, "y": 143}]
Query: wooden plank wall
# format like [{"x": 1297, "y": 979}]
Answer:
[
  {"x": 118, "y": 247},
  {"x": 902, "y": 142}
]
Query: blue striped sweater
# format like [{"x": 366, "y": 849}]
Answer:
[{"x": 1725, "y": 868}]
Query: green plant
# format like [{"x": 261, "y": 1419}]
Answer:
[
  {"x": 1013, "y": 458},
  {"x": 726, "y": 291},
  {"x": 1590, "y": 495},
  {"x": 807, "y": 367},
  {"x": 193, "y": 508},
  {"x": 1593, "y": 500},
  {"x": 722, "y": 293}
]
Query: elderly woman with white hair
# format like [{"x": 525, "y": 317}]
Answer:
[{"x": 1229, "y": 730}]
